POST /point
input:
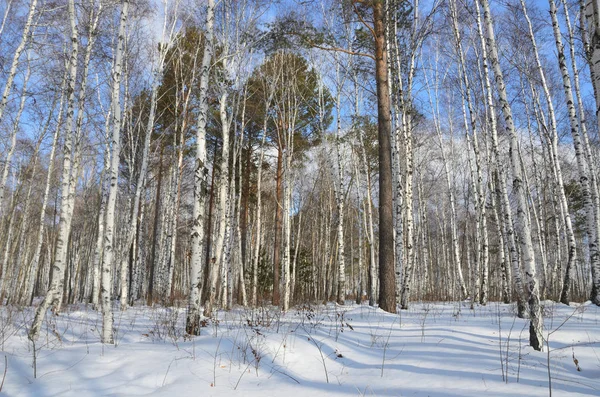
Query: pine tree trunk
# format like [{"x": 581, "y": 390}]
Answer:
[{"x": 387, "y": 276}]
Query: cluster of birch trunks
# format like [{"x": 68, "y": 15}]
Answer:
[{"x": 202, "y": 153}]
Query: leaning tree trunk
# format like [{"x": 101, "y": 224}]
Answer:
[
  {"x": 13, "y": 135},
  {"x": 141, "y": 181},
  {"x": 553, "y": 146},
  {"x": 504, "y": 202},
  {"x": 592, "y": 12},
  {"x": 582, "y": 166},
  {"x": 527, "y": 253},
  {"x": 25, "y": 37},
  {"x": 54, "y": 294},
  {"x": 33, "y": 268}
]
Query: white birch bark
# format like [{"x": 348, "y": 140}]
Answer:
[
  {"x": 449, "y": 185},
  {"x": 527, "y": 253},
  {"x": 33, "y": 268},
  {"x": 221, "y": 247},
  {"x": 7, "y": 9},
  {"x": 498, "y": 167},
  {"x": 200, "y": 182},
  {"x": 404, "y": 102},
  {"x": 109, "y": 240},
  {"x": 287, "y": 229},
  {"x": 258, "y": 239},
  {"x": 370, "y": 229},
  {"x": 25, "y": 37},
  {"x": 4, "y": 180},
  {"x": 9, "y": 234},
  {"x": 20, "y": 290},
  {"x": 54, "y": 294},
  {"x": 592, "y": 12},
  {"x": 595, "y": 191},
  {"x": 18, "y": 266},
  {"x": 13, "y": 134},
  {"x": 482, "y": 242},
  {"x": 582, "y": 166},
  {"x": 167, "y": 35},
  {"x": 368, "y": 205},
  {"x": 341, "y": 289},
  {"x": 104, "y": 182},
  {"x": 553, "y": 149}
]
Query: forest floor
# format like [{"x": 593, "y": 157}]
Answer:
[{"x": 434, "y": 349}]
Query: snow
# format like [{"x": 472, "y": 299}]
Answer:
[{"x": 434, "y": 349}]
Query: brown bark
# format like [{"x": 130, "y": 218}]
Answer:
[{"x": 387, "y": 276}]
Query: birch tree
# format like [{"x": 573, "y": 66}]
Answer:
[
  {"x": 25, "y": 38},
  {"x": 527, "y": 253},
  {"x": 169, "y": 23},
  {"x": 54, "y": 294},
  {"x": 553, "y": 146},
  {"x": 108, "y": 256},
  {"x": 200, "y": 181}
]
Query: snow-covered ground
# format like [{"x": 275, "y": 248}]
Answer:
[{"x": 442, "y": 349}]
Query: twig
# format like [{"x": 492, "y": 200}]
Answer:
[
  {"x": 5, "y": 369},
  {"x": 69, "y": 367},
  {"x": 288, "y": 375},
  {"x": 321, "y": 353},
  {"x": 243, "y": 372},
  {"x": 385, "y": 345}
]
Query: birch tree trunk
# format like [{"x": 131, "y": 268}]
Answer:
[
  {"x": 25, "y": 37},
  {"x": 33, "y": 268},
  {"x": 167, "y": 35},
  {"x": 504, "y": 202},
  {"x": 478, "y": 186},
  {"x": 553, "y": 148},
  {"x": 287, "y": 227},
  {"x": 592, "y": 12},
  {"x": 54, "y": 294},
  {"x": 108, "y": 257},
  {"x": 582, "y": 166},
  {"x": 221, "y": 247},
  {"x": 13, "y": 135},
  {"x": 200, "y": 182},
  {"x": 104, "y": 181},
  {"x": 527, "y": 253},
  {"x": 341, "y": 292},
  {"x": 258, "y": 238},
  {"x": 449, "y": 185},
  {"x": 368, "y": 208}
]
